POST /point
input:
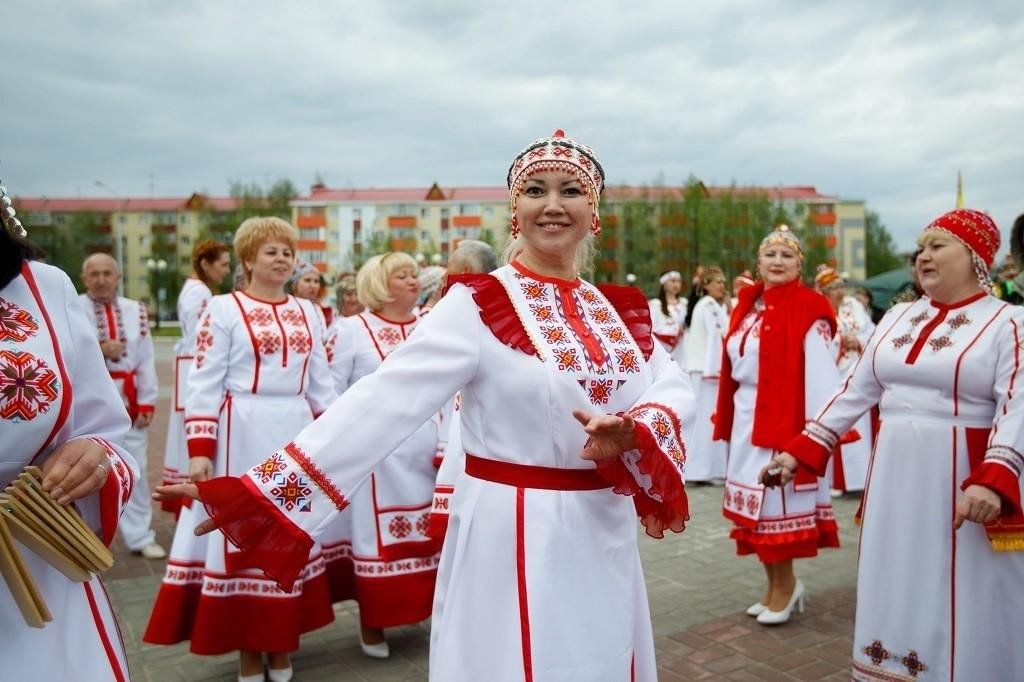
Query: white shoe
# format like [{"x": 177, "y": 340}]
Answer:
[
  {"x": 153, "y": 551},
  {"x": 258, "y": 677},
  {"x": 769, "y": 617},
  {"x": 379, "y": 650},
  {"x": 836, "y": 493},
  {"x": 756, "y": 609},
  {"x": 280, "y": 674}
]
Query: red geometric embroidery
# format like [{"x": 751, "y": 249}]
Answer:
[
  {"x": 143, "y": 321},
  {"x": 27, "y": 386},
  {"x": 533, "y": 290},
  {"x": 960, "y": 320},
  {"x": 123, "y": 478},
  {"x": 269, "y": 468},
  {"x": 400, "y": 527},
  {"x": 940, "y": 343},
  {"x": 292, "y": 491},
  {"x": 16, "y": 324},
  {"x": 876, "y": 652},
  {"x": 541, "y": 312},
  {"x": 204, "y": 340},
  {"x": 901, "y": 341},
  {"x": 300, "y": 342},
  {"x": 601, "y": 391},
  {"x": 554, "y": 334},
  {"x": 561, "y": 151},
  {"x": 269, "y": 342},
  {"x": 200, "y": 359},
  {"x": 588, "y": 296},
  {"x": 259, "y": 317},
  {"x": 628, "y": 361},
  {"x": 918, "y": 319},
  {"x": 615, "y": 334},
  {"x": 567, "y": 360},
  {"x": 913, "y": 664},
  {"x": 388, "y": 336},
  {"x": 291, "y": 316},
  {"x": 423, "y": 524},
  {"x": 601, "y": 315},
  {"x": 752, "y": 504}
]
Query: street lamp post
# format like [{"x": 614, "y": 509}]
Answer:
[{"x": 156, "y": 270}]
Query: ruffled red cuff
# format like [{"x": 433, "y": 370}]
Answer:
[
  {"x": 664, "y": 505},
  {"x": 998, "y": 478},
  {"x": 267, "y": 538},
  {"x": 810, "y": 453}
]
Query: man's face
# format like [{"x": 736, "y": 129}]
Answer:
[{"x": 101, "y": 278}]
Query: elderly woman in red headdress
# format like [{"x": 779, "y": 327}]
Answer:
[
  {"x": 571, "y": 421},
  {"x": 777, "y": 369},
  {"x": 939, "y": 582}
]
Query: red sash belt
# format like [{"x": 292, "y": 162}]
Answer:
[
  {"x": 668, "y": 339},
  {"x": 529, "y": 476},
  {"x": 130, "y": 391}
]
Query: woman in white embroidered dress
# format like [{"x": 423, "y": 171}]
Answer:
[
  {"x": 938, "y": 598},
  {"x": 850, "y": 466},
  {"x": 260, "y": 375},
  {"x": 59, "y": 410},
  {"x": 211, "y": 263},
  {"x": 394, "y": 560},
  {"x": 777, "y": 368},
  {"x": 540, "y": 577},
  {"x": 668, "y": 314},
  {"x": 706, "y": 458}
]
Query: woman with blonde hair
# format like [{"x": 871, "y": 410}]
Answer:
[
  {"x": 260, "y": 375},
  {"x": 572, "y": 419},
  {"x": 942, "y": 534},
  {"x": 211, "y": 263}
]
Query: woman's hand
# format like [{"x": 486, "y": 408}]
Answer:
[
  {"x": 610, "y": 435},
  {"x": 75, "y": 469},
  {"x": 180, "y": 490},
  {"x": 978, "y": 504},
  {"x": 780, "y": 471},
  {"x": 200, "y": 469}
]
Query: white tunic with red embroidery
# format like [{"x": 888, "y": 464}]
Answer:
[
  {"x": 540, "y": 578},
  {"x": 192, "y": 303},
  {"x": 54, "y": 388},
  {"x": 795, "y": 520},
  {"x": 854, "y": 320},
  {"x": 125, "y": 320},
  {"x": 669, "y": 329},
  {"x": 706, "y": 457},
  {"x": 934, "y": 602},
  {"x": 259, "y": 376},
  {"x": 393, "y": 559}
]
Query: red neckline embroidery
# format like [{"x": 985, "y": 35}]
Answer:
[
  {"x": 263, "y": 300},
  {"x": 569, "y": 284},
  {"x": 400, "y": 324},
  {"x": 959, "y": 304}
]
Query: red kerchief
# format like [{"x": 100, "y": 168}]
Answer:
[{"x": 975, "y": 229}]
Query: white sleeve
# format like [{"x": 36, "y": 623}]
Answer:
[
  {"x": 821, "y": 376},
  {"x": 206, "y": 378},
  {"x": 320, "y": 391},
  {"x": 146, "y": 368}
]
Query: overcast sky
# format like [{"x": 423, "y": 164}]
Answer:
[{"x": 860, "y": 99}]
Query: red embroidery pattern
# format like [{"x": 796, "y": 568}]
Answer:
[
  {"x": 400, "y": 527},
  {"x": 204, "y": 341},
  {"x": 601, "y": 314},
  {"x": 423, "y": 524},
  {"x": 753, "y": 503},
  {"x": 918, "y": 319},
  {"x": 124, "y": 479},
  {"x": 200, "y": 428},
  {"x": 329, "y": 345},
  {"x": 601, "y": 391},
  {"x": 292, "y": 492},
  {"x": 588, "y": 296},
  {"x": 300, "y": 342},
  {"x": 567, "y": 359},
  {"x": 388, "y": 336},
  {"x": 913, "y": 664},
  {"x": 259, "y": 317},
  {"x": 318, "y": 477},
  {"x": 614, "y": 334},
  {"x": 28, "y": 387},
  {"x": 533, "y": 290},
  {"x": 542, "y": 312},
  {"x": 961, "y": 320},
  {"x": 554, "y": 334},
  {"x": 939, "y": 343},
  {"x": 877, "y": 652},
  {"x": 269, "y": 468},
  {"x": 628, "y": 360},
  {"x": 143, "y": 321},
  {"x": 901, "y": 341},
  {"x": 200, "y": 360},
  {"x": 269, "y": 343},
  {"x": 664, "y": 426},
  {"x": 292, "y": 317},
  {"x": 16, "y": 324}
]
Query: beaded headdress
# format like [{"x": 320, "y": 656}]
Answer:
[
  {"x": 978, "y": 232},
  {"x": 557, "y": 153},
  {"x": 826, "y": 275},
  {"x": 7, "y": 214},
  {"x": 782, "y": 236}
]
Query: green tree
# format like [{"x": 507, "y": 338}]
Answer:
[
  {"x": 373, "y": 245},
  {"x": 67, "y": 239},
  {"x": 880, "y": 251},
  {"x": 816, "y": 251}
]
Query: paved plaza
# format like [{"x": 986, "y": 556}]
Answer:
[{"x": 697, "y": 587}]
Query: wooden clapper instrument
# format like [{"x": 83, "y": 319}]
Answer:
[{"x": 57, "y": 534}]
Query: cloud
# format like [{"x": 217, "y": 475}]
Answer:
[{"x": 869, "y": 100}]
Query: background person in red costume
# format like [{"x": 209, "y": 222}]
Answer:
[{"x": 777, "y": 368}]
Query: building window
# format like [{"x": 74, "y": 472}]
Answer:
[
  {"x": 184, "y": 220},
  {"x": 489, "y": 211},
  {"x": 122, "y": 219},
  {"x": 185, "y": 239},
  {"x": 61, "y": 219},
  {"x": 424, "y": 235},
  {"x": 357, "y": 214},
  {"x": 185, "y": 260},
  {"x": 445, "y": 212},
  {"x": 423, "y": 212}
]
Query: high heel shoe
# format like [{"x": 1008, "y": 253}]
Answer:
[
  {"x": 756, "y": 609},
  {"x": 769, "y": 617},
  {"x": 379, "y": 650},
  {"x": 280, "y": 674},
  {"x": 256, "y": 677}
]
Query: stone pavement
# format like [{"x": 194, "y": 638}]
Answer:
[{"x": 698, "y": 589}]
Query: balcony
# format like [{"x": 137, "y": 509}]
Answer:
[
  {"x": 466, "y": 221},
  {"x": 401, "y": 221},
  {"x": 307, "y": 221},
  {"x": 823, "y": 218},
  {"x": 310, "y": 245}
]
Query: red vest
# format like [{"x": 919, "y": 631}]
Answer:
[{"x": 779, "y": 411}]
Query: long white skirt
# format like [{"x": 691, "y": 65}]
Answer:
[{"x": 705, "y": 458}]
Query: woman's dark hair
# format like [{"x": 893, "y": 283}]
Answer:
[
  {"x": 13, "y": 252},
  {"x": 207, "y": 251},
  {"x": 662, "y": 297}
]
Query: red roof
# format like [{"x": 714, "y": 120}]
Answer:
[
  {"x": 112, "y": 204},
  {"x": 796, "y": 193}
]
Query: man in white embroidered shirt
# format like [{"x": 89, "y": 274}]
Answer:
[{"x": 122, "y": 327}]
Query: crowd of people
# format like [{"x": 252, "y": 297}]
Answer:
[{"x": 475, "y": 444}]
